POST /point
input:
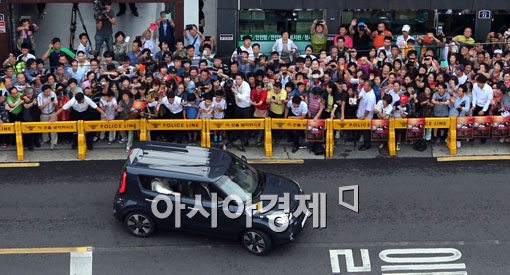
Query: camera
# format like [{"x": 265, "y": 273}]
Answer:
[
  {"x": 189, "y": 27},
  {"x": 99, "y": 9},
  {"x": 31, "y": 28},
  {"x": 229, "y": 83}
]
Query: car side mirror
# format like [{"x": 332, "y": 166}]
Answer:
[{"x": 245, "y": 160}]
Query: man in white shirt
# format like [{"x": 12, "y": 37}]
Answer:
[
  {"x": 402, "y": 39},
  {"x": 173, "y": 105},
  {"x": 47, "y": 103},
  {"x": 296, "y": 109},
  {"x": 174, "y": 110},
  {"x": 482, "y": 98},
  {"x": 366, "y": 111},
  {"x": 241, "y": 90},
  {"x": 79, "y": 106}
]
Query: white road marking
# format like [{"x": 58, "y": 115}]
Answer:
[
  {"x": 81, "y": 263},
  {"x": 388, "y": 255},
  {"x": 431, "y": 273},
  {"x": 349, "y": 260},
  {"x": 422, "y": 267}
]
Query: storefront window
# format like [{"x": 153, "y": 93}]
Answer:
[
  {"x": 265, "y": 26},
  {"x": 419, "y": 20}
]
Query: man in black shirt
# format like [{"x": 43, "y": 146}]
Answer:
[{"x": 360, "y": 37}]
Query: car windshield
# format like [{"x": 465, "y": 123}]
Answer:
[{"x": 239, "y": 180}]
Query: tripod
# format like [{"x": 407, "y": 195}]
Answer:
[{"x": 76, "y": 11}]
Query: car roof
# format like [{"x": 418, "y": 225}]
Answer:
[{"x": 180, "y": 160}]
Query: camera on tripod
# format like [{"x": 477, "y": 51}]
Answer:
[{"x": 99, "y": 9}]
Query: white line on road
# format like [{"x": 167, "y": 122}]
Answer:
[
  {"x": 422, "y": 267},
  {"x": 81, "y": 263},
  {"x": 431, "y": 273}
]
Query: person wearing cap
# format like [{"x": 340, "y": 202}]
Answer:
[
  {"x": 404, "y": 37},
  {"x": 360, "y": 36},
  {"x": 465, "y": 37},
  {"x": 459, "y": 73},
  {"x": 245, "y": 47}
]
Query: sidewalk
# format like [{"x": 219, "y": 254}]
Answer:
[{"x": 117, "y": 151}]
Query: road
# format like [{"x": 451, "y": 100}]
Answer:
[{"x": 403, "y": 204}]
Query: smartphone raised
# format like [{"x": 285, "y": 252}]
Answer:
[{"x": 168, "y": 16}]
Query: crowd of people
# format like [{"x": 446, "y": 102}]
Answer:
[{"x": 364, "y": 74}]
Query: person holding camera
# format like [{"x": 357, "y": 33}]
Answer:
[
  {"x": 26, "y": 31},
  {"x": 193, "y": 37},
  {"x": 319, "y": 39},
  {"x": 104, "y": 27},
  {"x": 379, "y": 36},
  {"x": 47, "y": 103}
]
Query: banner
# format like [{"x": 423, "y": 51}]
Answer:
[
  {"x": 500, "y": 127},
  {"x": 482, "y": 127},
  {"x": 380, "y": 130},
  {"x": 465, "y": 127},
  {"x": 415, "y": 128},
  {"x": 315, "y": 130}
]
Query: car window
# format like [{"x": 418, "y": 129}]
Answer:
[{"x": 161, "y": 185}]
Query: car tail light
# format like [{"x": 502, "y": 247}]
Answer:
[{"x": 122, "y": 188}]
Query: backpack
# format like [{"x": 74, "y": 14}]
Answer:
[{"x": 420, "y": 145}]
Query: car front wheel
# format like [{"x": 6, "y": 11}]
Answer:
[
  {"x": 139, "y": 224},
  {"x": 256, "y": 241}
]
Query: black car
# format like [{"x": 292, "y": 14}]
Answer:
[{"x": 157, "y": 176}]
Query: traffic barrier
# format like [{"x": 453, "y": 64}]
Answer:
[
  {"x": 283, "y": 124},
  {"x": 351, "y": 125},
  {"x": 205, "y": 126},
  {"x": 103, "y": 126},
  {"x": 234, "y": 124},
  {"x": 449, "y": 123},
  {"x": 178, "y": 124},
  {"x": 41, "y": 127}
]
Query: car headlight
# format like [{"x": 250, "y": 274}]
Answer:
[{"x": 280, "y": 219}]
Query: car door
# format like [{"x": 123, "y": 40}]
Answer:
[{"x": 154, "y": 193}]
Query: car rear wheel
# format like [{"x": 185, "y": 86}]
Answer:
[
  {"x": 256, "y": 241},
  {"x": 139, "y": 224}
]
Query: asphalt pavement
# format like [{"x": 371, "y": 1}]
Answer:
[{"x": 415, "y": 216}]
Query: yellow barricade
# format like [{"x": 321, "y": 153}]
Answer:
[
  {"x": 330, "y": 138},
  {"x": 233, "y": 124},
  {"x": 40, "y": 127},
  {"x": 174, "y": 124},
  {"x": 268, "y": 138},
  {"x": 49, "y": 127},
  {"x": 452, "y": 136},
  {"x": 392, "y": 150},
  {"x": 19, "y": 141},
  {"x": 180, "y": 125},
  {"x": 282, "y": 124},
  {"x": 237, "y": 124},
  {"x": 114, "y": 125},
  {"x": 82, "y": 142},
  {"x": 288, "y": 124},
  {"x": 7, "y": 128},
  {"x": 352, "y": 124},
  {"x": 449, "y": 123}
]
